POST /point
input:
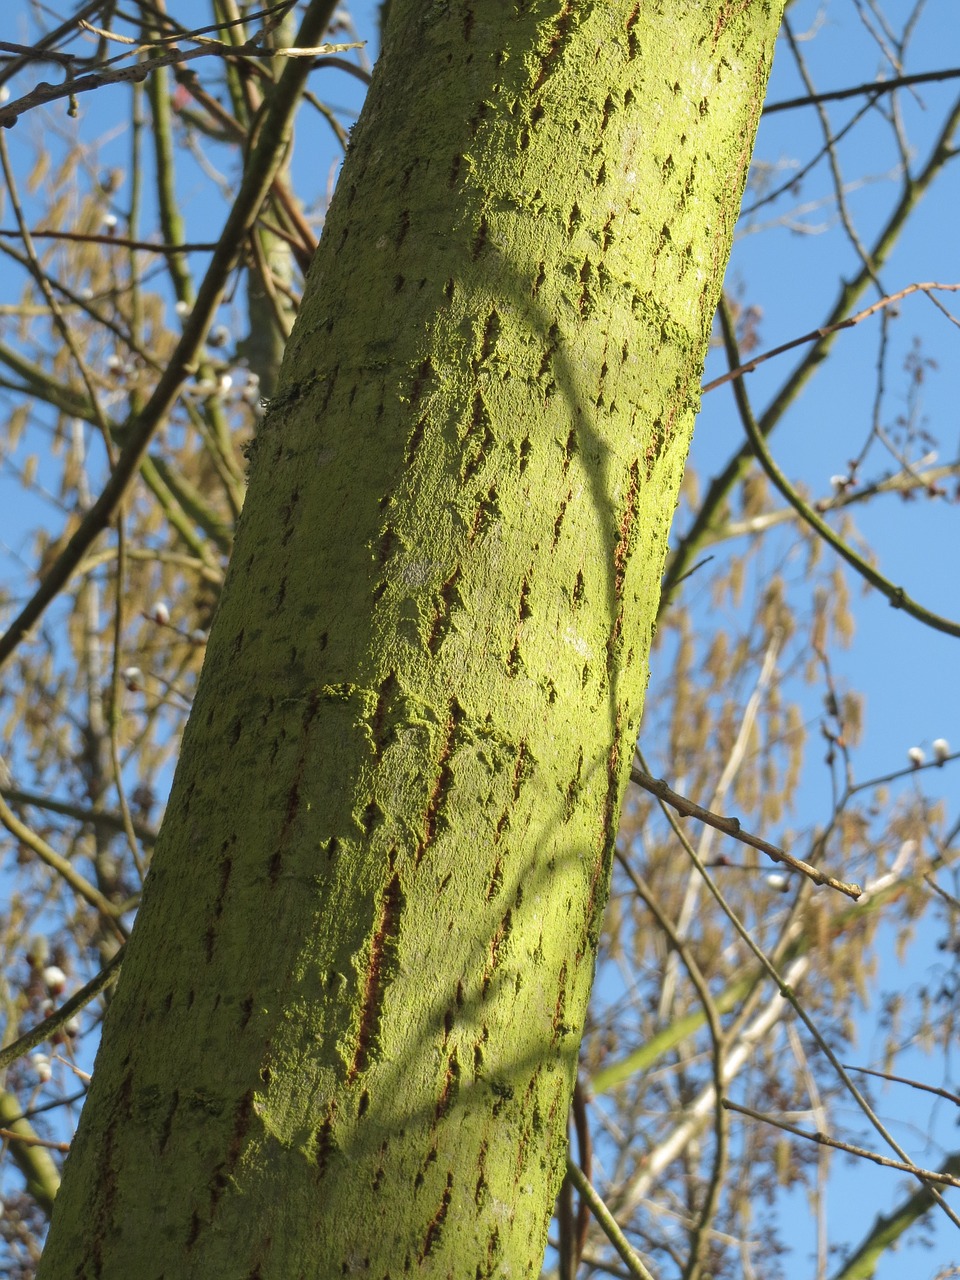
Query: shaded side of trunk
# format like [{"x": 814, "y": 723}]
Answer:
[{"x": 346, "y": 1033}]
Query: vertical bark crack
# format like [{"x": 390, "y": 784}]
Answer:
[{"x": 377, "y": 976}]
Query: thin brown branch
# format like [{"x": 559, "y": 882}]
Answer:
[
  {"x": 44, "y": 93},
  {"x": 824, "y": 1140},
  {"x": 607, "y": 1222},
  {"x": 875, "y": 88},
  {"x": 578, "y": 1109},
  {"x": 914, "y": 1084},
  {"x": 44, "y": 44},
  {"x": 795, "y": 1003},
  {"x": 31, "y": 1140},
  {"x": 80, "y": 813},
  {"x": 148, "y": 246},
  {"x": 731, "y": 827},
  {"x": 948, "y": 898},
  {"x": 31, "y": 53},
  {"x": 711, "y": 1197},
  {"x": 815, "y": 335}
]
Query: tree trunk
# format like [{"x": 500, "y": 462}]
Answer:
[{"x": 346, "y": 1032}]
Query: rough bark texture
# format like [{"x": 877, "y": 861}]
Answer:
[{"x": 345, "y": 1037}]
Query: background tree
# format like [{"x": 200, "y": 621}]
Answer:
[{"x": 677, "y": 1013}]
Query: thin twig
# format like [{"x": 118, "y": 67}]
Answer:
[
  {"x": 914, "y": 1084},
  {"x": 56, "y": 315},
  {"x": 833, "y": 161},
  {"x": 731, "y": 827},
  {"x": 711, "y": 1198},
  {"x": 815, "y": 335},
  {"x": 31, "y": 1140},
  {"x": 875, "y": 88},
  {"x": 258, "y": 179},
  {"x": 791, "y": 997},
  {"x": 731, "y": 768},
  {"x": 824, "y": 1140},
  {"x": 147, "y": 835},
  {"x": 716, "y": 497},
  {"x": 887, "y": 1229},
  {"x": 947, "y": 897},
  {"x": 63, "y": 866},
  {"x": 148, "y": 246},
  {"x": 44, "y": 92},
  {"x": 896, "y": 595},
  {"x": 200, "y": 34}
]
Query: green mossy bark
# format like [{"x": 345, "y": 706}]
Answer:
[{"x": 346, "y": 1033}]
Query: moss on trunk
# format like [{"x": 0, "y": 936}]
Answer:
[{"x": 346, "y": 1033}]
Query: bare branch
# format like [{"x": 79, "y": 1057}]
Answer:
[
  {"x": 731, "y": 827},
  {"x": 815, "y": 335},
  {"x": 824, "y": 1140},
  {"x": 873, "y": 88},
  {"x": 44, "y": 93}
]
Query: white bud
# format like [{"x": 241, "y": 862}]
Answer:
[
  {"x": 182, "y": 309},
  {"x": 71, "y": 1027},
  {"x": 160, "y": 614},
  {"x": 778, "y": 882},
  {"x": 110, "y": 221},
  {"x": 218, "y": 335},
  {"x": 941, "y": 749},
  {"x": 199, "y": 636},
  {"x": 114, "y": 364},
  {"x": 54, "y": 979},
  {"x": 132, "y": 677},
  {"x": 839, "y": 482},
  {"x": 916, "y": 757},
  {"x": 41, "y": 1065},
  {"x": 225, "y": 383}
]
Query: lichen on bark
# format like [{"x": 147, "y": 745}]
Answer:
[{"x": 346, "y": 1034}]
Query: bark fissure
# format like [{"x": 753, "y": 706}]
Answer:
[{"x": 377, "y": 977}]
